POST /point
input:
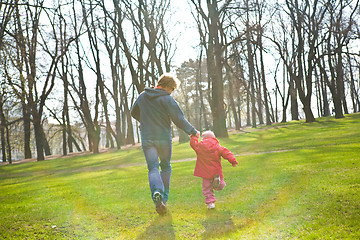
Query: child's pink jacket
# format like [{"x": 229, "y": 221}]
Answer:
[{"x": 209, "y": 153}]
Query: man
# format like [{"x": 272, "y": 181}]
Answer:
[{"x": 155, "y": 109}]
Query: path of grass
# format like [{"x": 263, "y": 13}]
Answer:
[{"x": 303, "y": 183}]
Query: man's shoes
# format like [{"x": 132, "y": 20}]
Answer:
[
  {"x": 211, "y": 206},
  {"x": 159, "y": 204},
  {"x": 216, "y": 182}
]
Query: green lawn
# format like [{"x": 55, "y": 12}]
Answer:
[{"x": 294, "y": 181}]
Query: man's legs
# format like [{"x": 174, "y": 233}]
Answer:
[
  {"x": 158, "y": 181},
  {"x": 151, "y": 156},
  {"x": 164, "y": 150}
]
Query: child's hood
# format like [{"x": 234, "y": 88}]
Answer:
[{"x": 209, "y": 144}]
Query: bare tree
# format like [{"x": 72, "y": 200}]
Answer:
[
  {"x": 27, "y": 39},
  {"x": 6, "y": 10},
  {"x": 338, "y": 36},
  {"x": 231, "y": 93},
  {"x": 148, "y": 49},
  {"x": 211, "y": 25},
  {"x": 83, "y": 106},
  {"x": 92, "y": 31},
  {"x": 353, "y": 91},
  {"x": 301, "y": 67},
  {"x": 13, "y": 57},
  {"x": 112, "y": 25},
  {"x": 261, "y": 7},
  {"x": 3, "y": 126}
]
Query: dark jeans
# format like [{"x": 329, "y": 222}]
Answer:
[{"x": 158, "y": 180}]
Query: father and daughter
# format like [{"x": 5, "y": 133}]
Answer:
[{"x": 155, "y": 109}]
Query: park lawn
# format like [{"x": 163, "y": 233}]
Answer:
[{"x": 295, "y": 180}]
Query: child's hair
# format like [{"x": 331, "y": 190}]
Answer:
[
  {"x": 207, "y": 134},
  {"x": 168, "y": 80}
]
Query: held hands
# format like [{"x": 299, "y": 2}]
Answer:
[{"x": 197, "y": 134}]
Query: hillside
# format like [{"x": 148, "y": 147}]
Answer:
[{"x": 295, "y": 180}]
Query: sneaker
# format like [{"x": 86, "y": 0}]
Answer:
[
  {"x": 159, "y": 204},
  {"x": 211, "y": 206},
  {"x": 216, "y": 182}
]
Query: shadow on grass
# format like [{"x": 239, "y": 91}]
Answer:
[
  {"x": 218, "y": 224},
  {"x": 160, "y": 228}
]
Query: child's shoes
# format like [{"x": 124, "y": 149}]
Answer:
[{"x": 211, "y": 206}]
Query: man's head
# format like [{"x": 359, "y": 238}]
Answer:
[{"x": 168, "y": 82}]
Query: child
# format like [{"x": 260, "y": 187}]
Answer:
[{"x": 208, "y": 164}]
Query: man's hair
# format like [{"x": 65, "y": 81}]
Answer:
[{"x": 168, "y": 80}]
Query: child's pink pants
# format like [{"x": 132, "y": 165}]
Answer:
[{"x": 208, "y": 189}]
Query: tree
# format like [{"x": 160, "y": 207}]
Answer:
[
  {"x": 261, "y": 7},
  {"x": 185, "y": 94},
  {"x": 93, "y": 38},
  {"x": 353, "y": 91},
  {"x": 301, "y": 63},
  {"x": 26, "y": 38},
  {"x": 213, "y": 23},
  {"x": 3, "y": 126},
  {"x": 83, "y": 107},
  {"x": 338, "y": 36},
  {"x": 111, "y": 27},
  {"x": 6, "y": 10},
  {"x": 251, "y": 64}
]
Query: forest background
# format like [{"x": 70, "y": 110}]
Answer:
[{"x": 71, "y": 69}]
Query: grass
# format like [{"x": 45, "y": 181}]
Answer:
[{"x": 302, "y": 183}]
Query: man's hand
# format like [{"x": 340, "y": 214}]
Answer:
[
  {"x": 197, "y": 134},
  {"x": 234, "y": 165}
]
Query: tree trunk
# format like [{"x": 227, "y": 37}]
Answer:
[
  {"x": 3, "y": 143},
  {"x": 354, "y": 96},
  {"x": 38, "y": 136},
  {"x": 70, "y": 139},
  {"x": 27, "y": 131},
  {"x": 251, "y": 75},
  {"x": 248, "y": 119},
  {"x": 183, "y": 137},
  {"x": 325, "y": 101},
  {"x": 2, "y": 129},
  {"x": 309, "y": 116},
  {"x": 294, "y": 102},
  {"x": 340, "y": 80},
  {"x": 8, "y": 145},
  {"x": 258, "y": 87},
  {"x": 214, "y": 58},
  {"x": 64, "y": 123},
  {"x": 124, "y": 100},
  {"x": 64, "y": 139},
  {"x": 239, "y": 111},
  {"x": 232, "y": 101},
  {"x": 203, "y": 111},
  {"x": 264, "y": 88}
]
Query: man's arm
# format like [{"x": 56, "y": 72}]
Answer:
[
  {"x": 177, "y": 116},
  {"x": 135, "y": 111}
]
